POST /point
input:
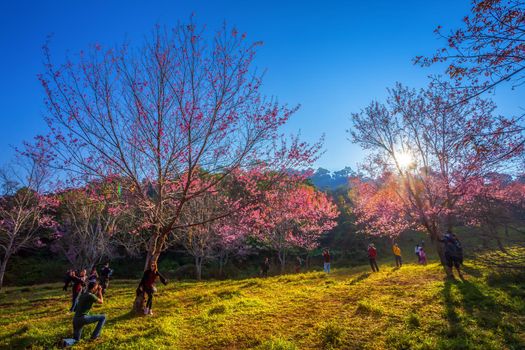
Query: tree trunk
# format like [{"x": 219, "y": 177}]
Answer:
[
  {"x": 154, "y": 248},
  {"x": 3, "y": 267},
  {"x": 307, "y": 262},
  {"x": 220, "y": 267},
  {"x": 198, "y": 268},
  {"x": 441, "y": 252},
  {"x": 223, "y": 259},
  {"x": 282, "y": 260},
  {"x": 500, "y": 245}
]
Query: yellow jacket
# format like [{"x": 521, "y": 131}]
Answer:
[{"x": 396, "y": 250}]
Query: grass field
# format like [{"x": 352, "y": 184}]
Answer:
[{"x": 409, "y": 308}]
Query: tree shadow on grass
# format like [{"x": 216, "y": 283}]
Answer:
[
  {"x": 123, "y": 317},
  {"x": 359, "y": 278},
  {"x": 21, "y": 340},
  {"x": 472, "y": 271},
  {"x": 483, "y": 309},
  {"x": 13, "y": 334}
]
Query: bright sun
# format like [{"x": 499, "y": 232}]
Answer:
[{"x": 404, "y": 159}]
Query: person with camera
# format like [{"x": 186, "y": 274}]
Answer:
[
  {"x": 78, "y": 281},
  {"x": 82, "y": 316}
]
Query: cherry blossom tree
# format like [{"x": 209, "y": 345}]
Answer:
[
  {"x": 379, "y": 206},
  {"x": 294, "y": 215},
  {"x": 90, "y": 219},
  {"x": 496, "y": 205},
  {"x": 26, "y": 213},
  {"x": 488, "y": 49},
  {"x": 158, "y": 116},
  {"x": 431, "y": 148},
  {"x": 203, "y": 242},
  {"x": 233, "y": 242}
]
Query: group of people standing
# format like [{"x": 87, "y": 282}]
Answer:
[
  {"x": 85, "y": 291},
  {"x": 89, "y": 289},
  {"x": 453, "y": 253},
  {"x": 79, "y": 280}
]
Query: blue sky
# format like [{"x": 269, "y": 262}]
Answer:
[{"x": 332, "y": 57}]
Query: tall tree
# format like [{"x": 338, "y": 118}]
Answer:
[
  {"x": 160, "y": 115},
  {"x": 293, "y": 216},
  {"x": 497, "y": 206},
  {"x": 431, "y": 147},
  {"x": 489, "y": 48},
  {"x": 204, "y": 242},
  {"x": 25, "y": 211},
  {"x": 89, "y": 219}
]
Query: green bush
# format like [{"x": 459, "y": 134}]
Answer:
[
  {"x": 330, "y": 335},
  {"x": 277, "y": 344}
]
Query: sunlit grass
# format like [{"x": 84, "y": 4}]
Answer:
[{"x": 408, "y": 308}]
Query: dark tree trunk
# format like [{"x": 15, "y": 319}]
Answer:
[
  {"x": 282, "y": 259},
  {"x": 223, "y": 259},
  {"x": 3, "y": 268},
  {"x": 198, "y": 268},
  {"x": 441, "y": 252}
]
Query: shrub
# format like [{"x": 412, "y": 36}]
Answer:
[
  {"x": 412, "y": 320},
  {"x": 277, "y": 344},
  {"x": 365, "y": 307},
  {"x": 399, "y": 341},
  {"x": 217, "y": 310},
  {"x": 228, "y": 294},
  {"x": 331, "y": 335}
]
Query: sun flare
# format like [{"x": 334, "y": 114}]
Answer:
[{"x": 404, "y": 159}]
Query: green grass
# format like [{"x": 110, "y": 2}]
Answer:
[{"x": 409, "y": 308}]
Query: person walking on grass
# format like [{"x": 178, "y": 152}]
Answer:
[
  {"x": 147, "y": 285},
  {"x": 372, "y": 255},
  {"x": 105, "y": 274},
  {"x": 397, "y": 254},
  {"x": 326, "y": 259},
  {"x": 422, "y": 256},
  {"x": 82, "y": 317},
  {"x": 453, "y": 253},
  {"x": 265, "y": 267},
  {"x": 298, "y": 264}
]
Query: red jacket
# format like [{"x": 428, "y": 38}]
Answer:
[{"x": 372, "y": 252}]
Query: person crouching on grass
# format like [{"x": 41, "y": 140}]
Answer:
[
  {"x": 82, "y": 317},
  {"x": 147, "y": 285}
]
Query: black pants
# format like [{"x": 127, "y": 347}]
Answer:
[
  {"x": 398, "y": 261},
  {"x": 149, "y": 303},
  {"x": 104, "y": 283},
  {"x": 373, "y": 265}
]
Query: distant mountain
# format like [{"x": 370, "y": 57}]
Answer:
[{"x": 327, "y": 180}]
